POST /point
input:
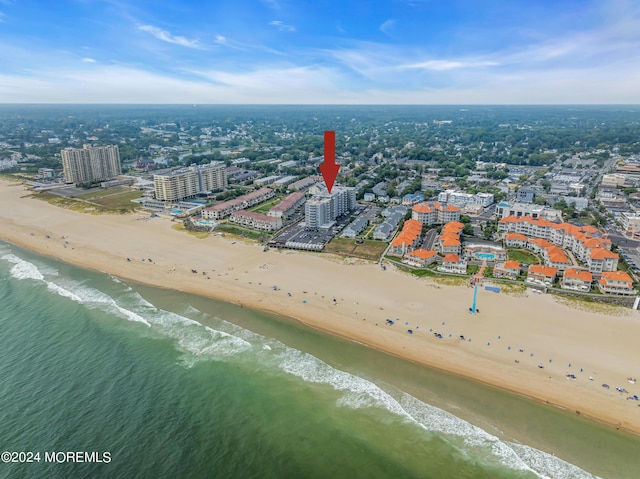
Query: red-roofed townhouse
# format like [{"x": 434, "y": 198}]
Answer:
[
  {"x": 424, "y": 213},
  {"x": 577, "y": 280},
  {"x": 515, "y": 240},
  {"x": 556, "y": 258},
  {"x": 420, "y": 258},
  {"x": 616, "y": 282},
  {"x": 452, "y": 263},
  {"x": 541, "y": 274},
  {"x": 600, "y": 259},
  {"x": 507, "y": 269}
]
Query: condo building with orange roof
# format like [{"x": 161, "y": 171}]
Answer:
[
  {"x": 408, "y": 239},
  {"x": 541, "y": 274},
  {"x": 507, "y": 269},
  {"x": 551, "y": 240},
  {"x": 577, "y": 280},
  {"x": 515, "y": 240},
  {"x": 420, "y": 258},
  {"x": 449, "y": 240},
  {"x": 616, "y": 282},
  {"x": 452, "y": 263},
  {"x": 602, "y": 260},
  {"x": 434, "y": 213}
]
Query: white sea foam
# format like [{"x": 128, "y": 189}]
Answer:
[
  {"x": 360, "y": 392},
  {"x": 22, "y": 269},
  {"x": 63, "y": 292},
  {"x": 94, "y": 298},
  {"x": 547, "y": 465}
]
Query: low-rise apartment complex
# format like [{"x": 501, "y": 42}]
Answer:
[
  {"x": 551, "y": 240},
  {"x": 435, "y": 213},
  {"x": 577, "y": 280},
  {"x": 256, "y": 220},
  {"x": 288, "y": 206},
  {"x": 222, "y": 210},
  {"x": 462, "y": 199},
  {"x": 616, "y": 282}
]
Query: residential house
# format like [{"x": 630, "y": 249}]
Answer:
[
  {"x": 616, "y": 282},
  {"x": 507, "y": 269},
  {"x": 515, "y": 240},
  {"x": 408, "y": 239},
  {"x": 577, "y": 279},
  {"x": 452, "y": 263},
  {"x": 541, "y": 274},
  {"x": 420, "y": 258}
]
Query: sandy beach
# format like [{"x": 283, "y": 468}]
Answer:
[{"x": 503, "y": 345}]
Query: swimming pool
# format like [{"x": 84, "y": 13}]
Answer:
[
  {"x": 485, "y": 255},
  {"x": 176, "y": 212},
  {"x": 206, "y": 223}
]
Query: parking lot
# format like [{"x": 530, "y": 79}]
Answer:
[
  {"x": 298, "y": 234},
  {"x": 430, "y": 238},
  {"x": 310, "y": 239},
  {"x": 632, "y": 257}
]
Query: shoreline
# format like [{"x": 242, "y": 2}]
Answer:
[{"x": 244, "y": 274}]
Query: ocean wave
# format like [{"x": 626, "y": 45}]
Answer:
[
  {"x": 548, "y": 465},
  {"x": 197, "y": 341},
  {"x": 22, "y": 269},
  {"x": 194, "y": 339}
]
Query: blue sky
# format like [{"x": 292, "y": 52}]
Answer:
[{"x": 323, "y": 51}]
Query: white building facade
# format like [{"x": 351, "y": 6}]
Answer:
[
  {"x": 90, "y": 164},
  {"x": 323, "y": 209}
]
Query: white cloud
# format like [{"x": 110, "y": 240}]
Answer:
[
  {"x": 88, "y": 60},
  {"x": 441, "y": 65},
  {"x": 166, "y": 36},
  {"x": 309, "y": 85},
  {"x": 110, "y": 84},
  {"x": 387, "y": 27},
  {"x": 227, "y": 42},
  {"x": 2, "y": 17},
  {"x": 283, "y": 27}
]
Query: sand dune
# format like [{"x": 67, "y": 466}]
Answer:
[{"x": 603, "y": 346}]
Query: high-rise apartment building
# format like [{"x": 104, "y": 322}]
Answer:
[
  {"x": 323, "y": 209},
  {"x": 188, "y": 182},
  {"x": 90, "y": 164}
]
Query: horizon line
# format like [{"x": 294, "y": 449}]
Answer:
[{"x": 315, "y": 104}]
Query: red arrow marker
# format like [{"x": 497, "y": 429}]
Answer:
[{"x": 329, "y": 169}]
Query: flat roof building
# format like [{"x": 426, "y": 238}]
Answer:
[
  {"x": 188, "y": 182},
  {"x": 91, "y": 164},
  {"x": 323, "y": 209}
]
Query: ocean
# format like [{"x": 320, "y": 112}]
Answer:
[{"x": 105, "y": 378}]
